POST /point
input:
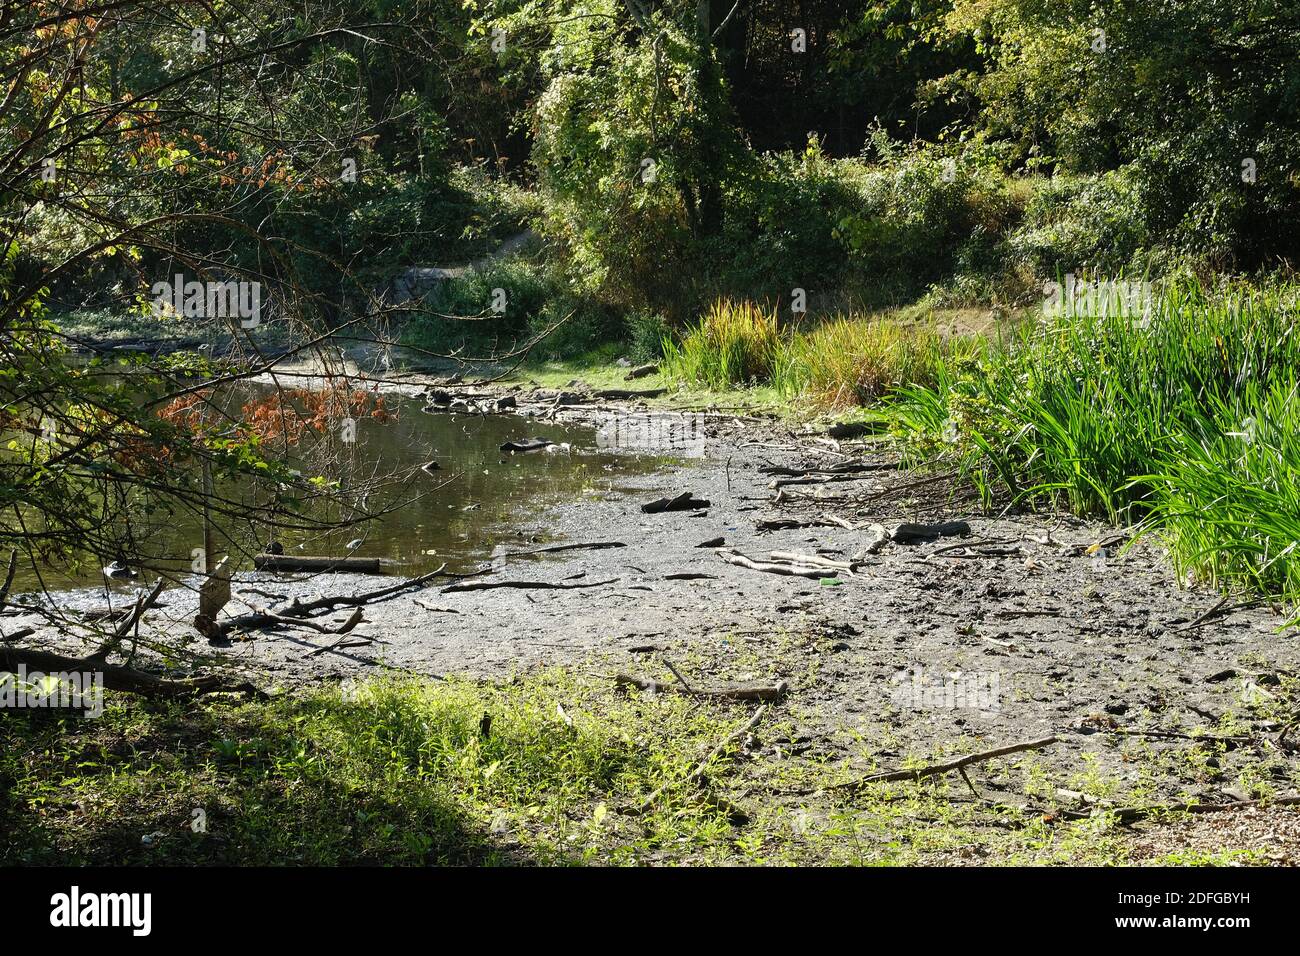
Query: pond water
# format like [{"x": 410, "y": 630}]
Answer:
[{"x": 478, "y": 498}]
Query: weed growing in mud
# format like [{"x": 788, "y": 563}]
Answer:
[
  {"x": 538, "y": 770},
  {"x": 393, "y": 771}
]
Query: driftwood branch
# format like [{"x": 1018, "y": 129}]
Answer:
[
  {"x": 738, "y": 559},
  {"x": 798, "y": 558},
  {"x": 590, "y": 546},
  {"x": 293, "y": 613},
  {"x": 116, "y": 677},
  {"x": 302, "y": 608},
  {"x": 524, "y": 585},
  {"x": 124, "y": 628}
]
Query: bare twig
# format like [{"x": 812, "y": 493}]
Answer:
[
  {"x": 948, "y": 766},
  {"x": 713, "y": 754}
]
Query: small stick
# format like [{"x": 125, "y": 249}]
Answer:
[
  {"x": 436, "y": 610},
  {"x": 716, "y": 752},
  {"x": 678, "y": 675},
  {"x": 352, "y": 641},
  {"x": 592, "y": 546},
  {"x": 9, "y": 577},
  {"x": 524, "y": 585},
  {"x": 968, "y": 544},
  {"x": 750, "y": 692},
  {"x": 1215, "y": 611},
  {"x": 936, "y": 769}
]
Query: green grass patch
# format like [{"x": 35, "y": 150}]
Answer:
[{"x": 392, "y": 771}]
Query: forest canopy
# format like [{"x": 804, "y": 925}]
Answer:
[{"x": 878, "y": 148}]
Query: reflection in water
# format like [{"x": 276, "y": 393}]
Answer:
[{"x": 455, "y": 514}]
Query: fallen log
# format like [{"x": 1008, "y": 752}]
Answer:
[
  {"x": 739, "y": 560},
  {"x": 740, "y": 692},
  {"x": 641, "y": 371},
  {"x": 686, "y": 501},
  {"x": 909, "y": 533},
  {"x": 289, "y": 562},
  {"x": 116, "y": 677},
  {"x": 524, "y": 585}
]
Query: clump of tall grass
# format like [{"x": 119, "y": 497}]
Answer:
[
  {"x": 734, "y": 343},
  {"x": 1228, "y": 493},
  {"x": 837, "y": 364},
  {"x": 1139, "y": 418},
  {"x": 854, "y": 361}
]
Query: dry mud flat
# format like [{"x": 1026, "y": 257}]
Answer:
[{"x": 1029, "y": 626}]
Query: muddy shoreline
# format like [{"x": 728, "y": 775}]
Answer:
[{"x": 1023, "y": 629}]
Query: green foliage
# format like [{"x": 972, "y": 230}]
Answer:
[
  {"x": 924, "y": 214},
  {"x": 1184, "y": 92},
  {"x": 734, "y": 343},
  {"x": 390, "y": 771},
  {"x": 631, "y": 155},
  {"x": 1076, "y": 223},
  {"x": 646, "y": 334},
  {"x": 1183, "y": 418}
]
